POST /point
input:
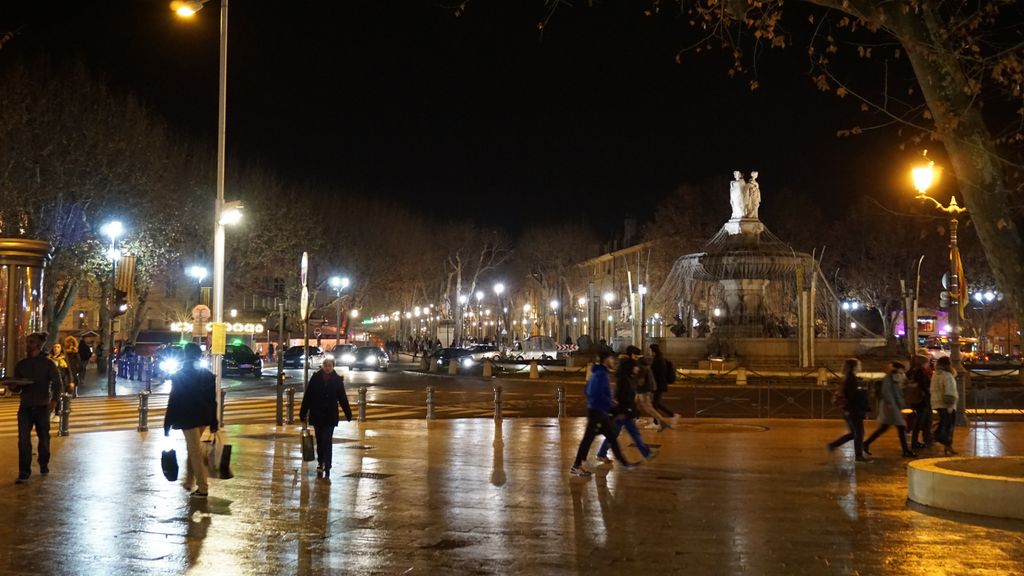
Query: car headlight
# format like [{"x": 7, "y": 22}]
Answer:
[
  {"x": 370, "y": 360},
  {"x": 204, "y": 363},
  {"x": 468, "y": 361},
  {"x": 170, "y": 365},
  {"x": 348, "y": 358}
]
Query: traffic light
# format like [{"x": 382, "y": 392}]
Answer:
[{"x": 120, "y": 302}]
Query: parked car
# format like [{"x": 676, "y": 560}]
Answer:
[
  {"x": 370, "y": 357},
  {"x": 240, "y": 359},
  {"x": 479, "y": 353},
  {"x": 296, "y": 357},
  {"x": 535, "y": 348}
]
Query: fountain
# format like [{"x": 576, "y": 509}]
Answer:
[{"x": 748, "y": 295}]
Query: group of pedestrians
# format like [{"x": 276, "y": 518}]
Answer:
[
  {"x": 614, "y": 406},
  {"x": 921, "y": 390}
]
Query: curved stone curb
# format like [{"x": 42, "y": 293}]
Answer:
[{"x": 985, "y": 486}]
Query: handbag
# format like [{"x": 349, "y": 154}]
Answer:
[
  {"x": 169, "y": 464},
  {"x": 218, "y": 456},
  {"x": 308, "y": 451}
]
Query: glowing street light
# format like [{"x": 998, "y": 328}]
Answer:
[
  {"x": 553, "y": 304},
  {"x": 339, "y": 284},
  {"x": 609, "y": 298}
]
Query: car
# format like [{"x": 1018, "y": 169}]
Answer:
[
  {"x": 169, "y": 359},
  {"x": 296, "y": 357},
  {"x": 445, "y": 355},
  {"x": 370, "y": 357},
  {"x": 993, "y": 361},
  {"x": 479, "y": 353},
  {"x": 344, "y": 354},
  {"x": 240, "y": 359},
  {"x": 535, "y": 348}
]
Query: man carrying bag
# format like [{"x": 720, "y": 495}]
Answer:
[
  {"x": 191, "y": 407},
  {"x": 324, "y": 394}
]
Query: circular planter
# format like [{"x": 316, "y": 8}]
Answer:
[{"x": 984, "y": 486}]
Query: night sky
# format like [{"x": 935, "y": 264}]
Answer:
[{"x": 478, "y": 115}]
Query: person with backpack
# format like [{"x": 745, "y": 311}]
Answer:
[
  {"x": 890, "y": 409},
  {"x": 626, "y": 408},
  {"x": 664, "y": 374},
  {"x": 854, "y": 401}
]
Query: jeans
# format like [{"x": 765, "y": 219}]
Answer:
[
  {"x": 324, "y": 445},
  {"x": 29, "y": 416},
  {"x": 855, "y": 422},
  {"x": 196, "y": 460},
  {"x": 599, "y": 422},
  {"x": 638, "y": 440}
]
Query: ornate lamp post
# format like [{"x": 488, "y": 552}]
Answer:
[
  {"x": 924, "y": 177},
  {"x": 339, "y": 284}
]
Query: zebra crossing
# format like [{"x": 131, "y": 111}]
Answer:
[{"x": 102, "y": 414}]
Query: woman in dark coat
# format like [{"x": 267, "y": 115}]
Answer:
[
  {"x": 854, "y": 411},
  {"x": 324, "y": 394}
]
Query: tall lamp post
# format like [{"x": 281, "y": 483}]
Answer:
[
  {"x": 499, "y": 289},
  {"x": 112, "y": 230},
  {"x": 923, "y": 177},
  {"x": 338, "y": 284},
  {"x": 224, "y": 213},
  {"x": 199, "y": 273}
]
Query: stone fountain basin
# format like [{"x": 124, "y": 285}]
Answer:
[{"x": 984, "y": 486}]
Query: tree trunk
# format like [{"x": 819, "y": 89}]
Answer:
[
  {"x": 139, "y": 316},
  {"x": 58, "y": 305},
  {"x": 979, "y": 171}
]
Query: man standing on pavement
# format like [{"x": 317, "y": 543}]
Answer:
[
  {"x": 38, "y": 399},
  {"x": 599, "y": 421},
  {"x": 191, "y": 407}
]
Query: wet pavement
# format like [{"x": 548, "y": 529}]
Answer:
[{"x": 468, "y": 497}]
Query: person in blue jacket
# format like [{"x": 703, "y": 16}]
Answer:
[{"x": 599, "y": 419}]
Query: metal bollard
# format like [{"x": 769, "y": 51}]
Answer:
[
  {"x": 143, "y": 412},
  {"x": 362, "y": 403},
  {"x": 65, "y": 411},
  {"x": 223, "y": 397},
  {"x": 279, "y": 405},
  {"x": 498, "y": 392},
  {"x": 291, "y": 404},
  {"x": 560, "y": 396},
  {"x": 453, "y": 366},
  {"x": 150, "y": 368},
  {"x": 430, "y": 402},
  {"x": 488, "y": 368}
]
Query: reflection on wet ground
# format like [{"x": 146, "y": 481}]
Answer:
[{"x": 473, "y": 496}]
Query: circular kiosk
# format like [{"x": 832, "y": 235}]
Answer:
[{"x": 985, "y": 486}]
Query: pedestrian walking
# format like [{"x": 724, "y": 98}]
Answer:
[
  {"x": 890, "y": 409},
  {"x": 61, "y": 360},
  {"x": 944, "y": 397},
  {"x": 918, "y": 397},
  {"x": 625, "y": 411},
  {"x": 598, "y": 392},
  {"x": 646, "y": 385},
  {"x": 74, "y": 361},
  {"x": 324, "y": 394},
  {"x": 664, "y": 374},
  {"x": 38, "y": 400},
  {"x": 191, "y": 408},
  {"x": 854, "y": 401},
  {"x": 85, "y": 355}
]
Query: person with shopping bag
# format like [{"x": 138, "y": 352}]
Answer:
[
  {"x": 191, "y": 408},
  {"x": 324, "y": 394}
]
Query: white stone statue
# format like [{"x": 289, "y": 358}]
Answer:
[
  {"x": 752, "y": 197},
  {"x": 737, "y": 195}
]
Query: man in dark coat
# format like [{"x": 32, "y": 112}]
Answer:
[
  {"x": 191, "y": 407},
  {"x": 324, "y": 394},
  {"x": 38, "y": 400}
]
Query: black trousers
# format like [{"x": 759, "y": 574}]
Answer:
[
  {"x": 947, "y": 422},
  {"x": 29, "y": 416},
  {"x": 324, "y": 445},
  {"x": 922, "y": 423},
  {"x": 599, "y": 422},
  {"x": 881, "y": 430},
  {"x": 855, "y": 423},
  {"x": 660, "y": 406}
]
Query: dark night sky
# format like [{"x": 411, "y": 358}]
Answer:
[{"x": 472, "y": 116}]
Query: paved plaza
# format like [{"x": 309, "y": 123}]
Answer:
[{"x": 468, "y": 497}]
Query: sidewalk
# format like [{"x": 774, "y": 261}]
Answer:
[{"x": 465, "y": 496}]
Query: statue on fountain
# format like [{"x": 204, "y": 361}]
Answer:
[{"x": 745, "y": 200}]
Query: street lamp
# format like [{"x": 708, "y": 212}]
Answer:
[
  {"x": 199, "y": 274},
  {"x": 113, "y": 230},
  {"x": 985, "y": 301},
  {"x": 924, "y": 177},
  {"x": 223, "y": 213},
  {"x": 339, "y": 284},
  {"x": 499, "y": 289}
]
